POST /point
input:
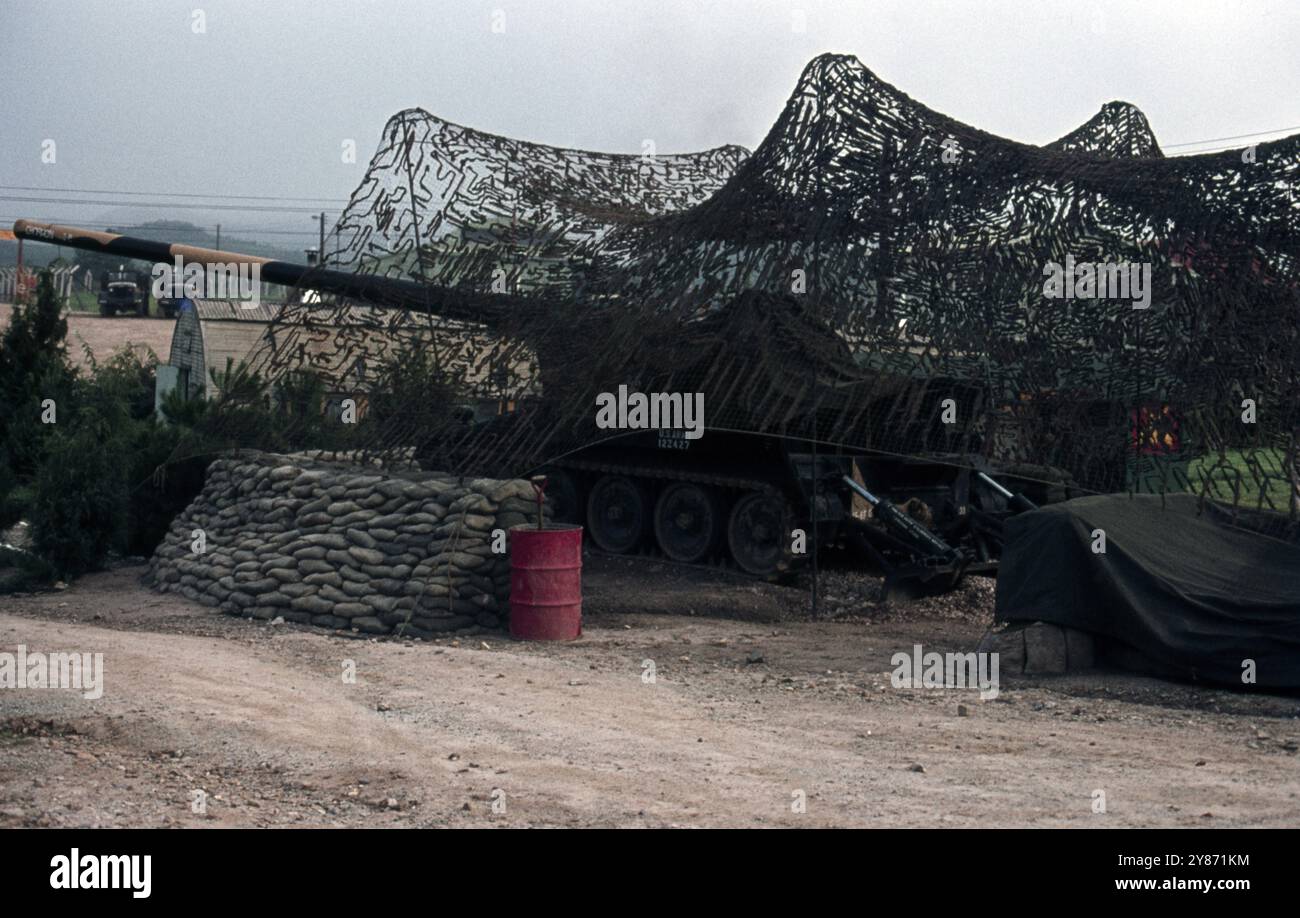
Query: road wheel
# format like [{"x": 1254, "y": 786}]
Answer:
[
  {"x": 759, "y": 534},
  {"x": 564, "y": 495},
  {"x": 617, "y": 511},
  {"x": 688, "y": 522}
]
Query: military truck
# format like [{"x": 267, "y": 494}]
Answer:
[{"x": 123, "y": 291}]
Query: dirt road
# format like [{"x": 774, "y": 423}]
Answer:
[
  {"x": 104, "y": 336},
  {"x": 741, "y": 722}
]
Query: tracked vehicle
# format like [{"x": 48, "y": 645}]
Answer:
[{"x": 758, "y": 501}]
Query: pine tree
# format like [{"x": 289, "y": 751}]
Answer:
[
  {"x": 35, "y": 336},
  {"x": 33, "y": 369}
]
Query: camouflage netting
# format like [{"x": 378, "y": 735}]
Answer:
[{"x": 870, "y": 260}]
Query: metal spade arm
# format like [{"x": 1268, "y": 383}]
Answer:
[
  {"x": 905, "y": 527},
  {"x": 1017, "y": 502}
]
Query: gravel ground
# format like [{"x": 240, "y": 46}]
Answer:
[{"x": 752, "y": 709}]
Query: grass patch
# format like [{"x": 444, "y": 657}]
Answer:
[
  {"x": 1243, "y": 471},
  {"x": 83, "y": 301},
  {"x": 88, "y": 301}
]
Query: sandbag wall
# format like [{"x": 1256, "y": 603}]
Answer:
[{"x": 342, "y": 546}]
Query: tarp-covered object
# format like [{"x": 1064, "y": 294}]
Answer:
[{"x": 1193, "y": 594}]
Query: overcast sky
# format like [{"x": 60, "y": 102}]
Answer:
[{"x": 261, "y": 101}]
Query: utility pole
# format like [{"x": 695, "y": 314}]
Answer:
[
  {"x": 322, "y": 238},
  {"x": 218, "y": 235}
]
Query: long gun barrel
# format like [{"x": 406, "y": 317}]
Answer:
[{"x": 383, "y": 291}]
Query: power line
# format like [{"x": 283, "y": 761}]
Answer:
[
  {"x": 245, "y": 208},
  {"x": 169, "y": 194},
  {"x": 1192, "y": 143},
  {"x": 201, "y": 233},
  {"x": 1207, "y": 150},
  {"x": 1231, "y": 146},
  {"x": 185, "y": 230},
  {"x": 266, "y": 197}
]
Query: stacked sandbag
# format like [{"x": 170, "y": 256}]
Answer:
[{"x": 339, "y": 546}]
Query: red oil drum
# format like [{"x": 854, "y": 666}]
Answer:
[{"x": 546, "y": 582}]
